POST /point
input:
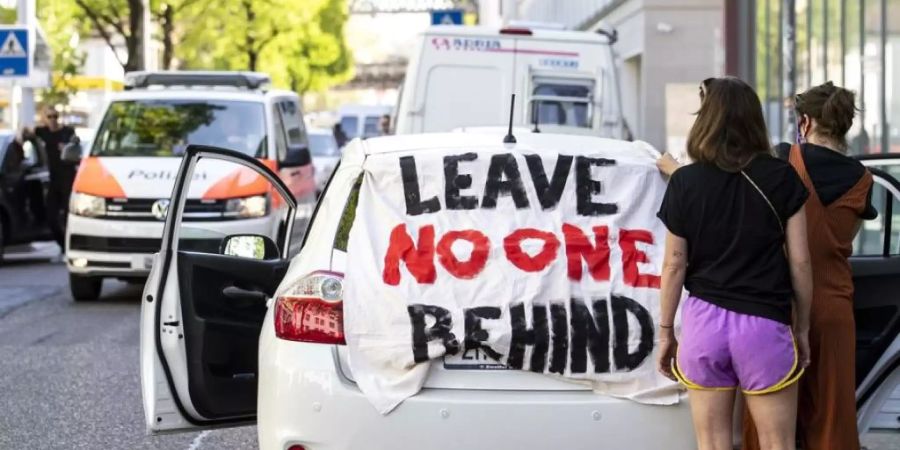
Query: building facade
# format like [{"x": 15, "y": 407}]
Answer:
[{"x": 853, "y": 43}]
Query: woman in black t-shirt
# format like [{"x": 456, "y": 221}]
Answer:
[{"x": 737, "y": 242}]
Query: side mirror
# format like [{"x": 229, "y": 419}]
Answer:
[
  {"x": 252, "y": 246},
  {"x": 297, "y": 156},
  {"x": 71, "y": 152}
]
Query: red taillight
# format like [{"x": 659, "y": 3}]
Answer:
[
  {"x": 516, "y": 31},
  {"x": 312, "y": 310},
  {"x": 296, "y": 447}
]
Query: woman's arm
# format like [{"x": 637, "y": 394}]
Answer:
[
  {"x": 801, "y": 278},
  {"x": 673, "y": 272}
]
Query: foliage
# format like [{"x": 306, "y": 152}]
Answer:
[
  {"x": 117, "y": 22},
  {"x": 60, "y": 22},
  {"x": 300, "y": 43}
]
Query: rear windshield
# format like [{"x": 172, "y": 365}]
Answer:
[
  {"x": 371, "y": 126},
  {"x": 167, "y": 127},
  {"x": 323, "y": 145},
  {"x": 350, "y": 125}
]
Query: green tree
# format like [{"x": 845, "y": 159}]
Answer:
[
  {"x": 117, "y": 21},
  {"x": 300, "y": 43},
  {"x": 176, "y": 19},
  {"x": 62, "y": 26}
]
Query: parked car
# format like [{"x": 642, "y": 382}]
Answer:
[
  {"x": 362, "y": 121},
  {"x": 222, "y": 345},
  {"x": 325, "y": 155},
  {"x": 120, "y": 195},
  {"x": 23, "y": 193}
]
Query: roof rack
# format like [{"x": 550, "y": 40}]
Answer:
[{"x": 244, "y": 80}]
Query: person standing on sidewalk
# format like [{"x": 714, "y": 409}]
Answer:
[
  {"x": 54, "y": 136},
  {"x": 840, "y": 199},
  {"x": 736, "y": 241}
]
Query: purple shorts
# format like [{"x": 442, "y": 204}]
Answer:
[{"x": 722, "y": 350}]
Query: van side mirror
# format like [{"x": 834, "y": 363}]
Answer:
[
  {"x": 296, "y": 156},
  {"x": 71, "y": 152},
  {"x": 252, "y": 246}
]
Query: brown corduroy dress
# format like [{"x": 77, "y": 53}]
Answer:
[{"x": 826, "y": 412}]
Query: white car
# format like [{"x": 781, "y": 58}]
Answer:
[
  {"x": 225, "y": 341},
  {"x": 325, "y": 155},
  {"x": 127, "y": 169}
]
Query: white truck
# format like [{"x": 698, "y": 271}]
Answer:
[{"x": 564, "y": 81}]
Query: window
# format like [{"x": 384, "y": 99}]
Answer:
[
  {"x": 347, "y": 217},
  {"x": 563, "y": 102},
  {"x": 871, "y": 239},
  {"x": 371, "y": 126},
  {"x": 323, "y": 144},
  {"x": 280, "y": 140},
  {"x": 292, "y": 120},
  {"x": 350, "y": 125},
  {"x": 161, "y": 127}
]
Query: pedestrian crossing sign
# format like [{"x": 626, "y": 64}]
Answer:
[
  {"x": 15, "y": 60},
  {"x": 447, "y": 17}
]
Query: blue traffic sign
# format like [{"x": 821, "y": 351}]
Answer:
[
  {"x": 447, "y": 17},
  {"x": 14, "y": 57}
]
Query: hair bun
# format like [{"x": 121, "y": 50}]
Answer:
[{"x": 838, "y": 111}]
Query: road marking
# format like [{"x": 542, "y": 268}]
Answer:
[{"x": 198, "y": 440}]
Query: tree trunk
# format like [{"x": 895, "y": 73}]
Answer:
[
  {"x": 249, "y": 38},
  {"x": 168, "y": 30},
  {"x": 134, "y": 41}
]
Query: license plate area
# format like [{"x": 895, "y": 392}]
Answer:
[{"x": 472, "y": 359}]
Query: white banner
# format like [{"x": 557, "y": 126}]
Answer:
[{"x": 545, "y": 260}]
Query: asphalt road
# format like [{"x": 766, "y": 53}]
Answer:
[{"x": 69, "y": 372}]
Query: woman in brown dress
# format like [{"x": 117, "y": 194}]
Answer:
[{"x": 840, "y": 194}]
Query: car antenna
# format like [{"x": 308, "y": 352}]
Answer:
[
  {"x": 510, "y": 139},
  {"x": 534, "y": 114}
]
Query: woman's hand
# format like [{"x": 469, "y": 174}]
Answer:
[
  {"x": 667, "y": 164},
  {"x": 668, "y": 346},
  {"x": 801, "y": 337}
]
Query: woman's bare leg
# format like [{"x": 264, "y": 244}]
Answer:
[
  {"x": 775, "y": 416},
  {"x": 712, "y": 412}
]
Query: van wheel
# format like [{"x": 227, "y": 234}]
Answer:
[{"x": 85, "y": 288}]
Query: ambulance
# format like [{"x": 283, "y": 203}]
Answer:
[
  {"x": 120, "y": 197},
  {"x": 564, "y": 81}
]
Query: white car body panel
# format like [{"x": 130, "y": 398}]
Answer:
[{"x": 306, "y": 393}]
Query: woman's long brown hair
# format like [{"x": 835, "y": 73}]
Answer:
[{"x": 730, "y": 130}]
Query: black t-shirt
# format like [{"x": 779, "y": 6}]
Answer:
[
  {"x": 736, "y": 256},
  {"x": 832, "y": 173},
  {"x": 53, "y": 144}
]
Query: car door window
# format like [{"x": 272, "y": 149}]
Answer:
[
  {"x": 280, "y": 137},
  {"x": 881, "y": 236},
  {"x": 292, "y": 120}
]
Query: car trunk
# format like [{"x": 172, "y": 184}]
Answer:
[{"x": 471, "y": 371}]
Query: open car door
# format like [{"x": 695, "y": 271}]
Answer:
[
  {"x": 206, "y": 296},
  {"x": 876, "y": 302}
]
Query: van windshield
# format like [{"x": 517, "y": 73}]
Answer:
[
  {"x": 563, "y": 102},
  {"x": 166, "y": 127}
]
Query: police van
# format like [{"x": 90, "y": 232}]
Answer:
[
  {"x": 120, "y": 197},
  {"x": 564, "y": 81}
]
